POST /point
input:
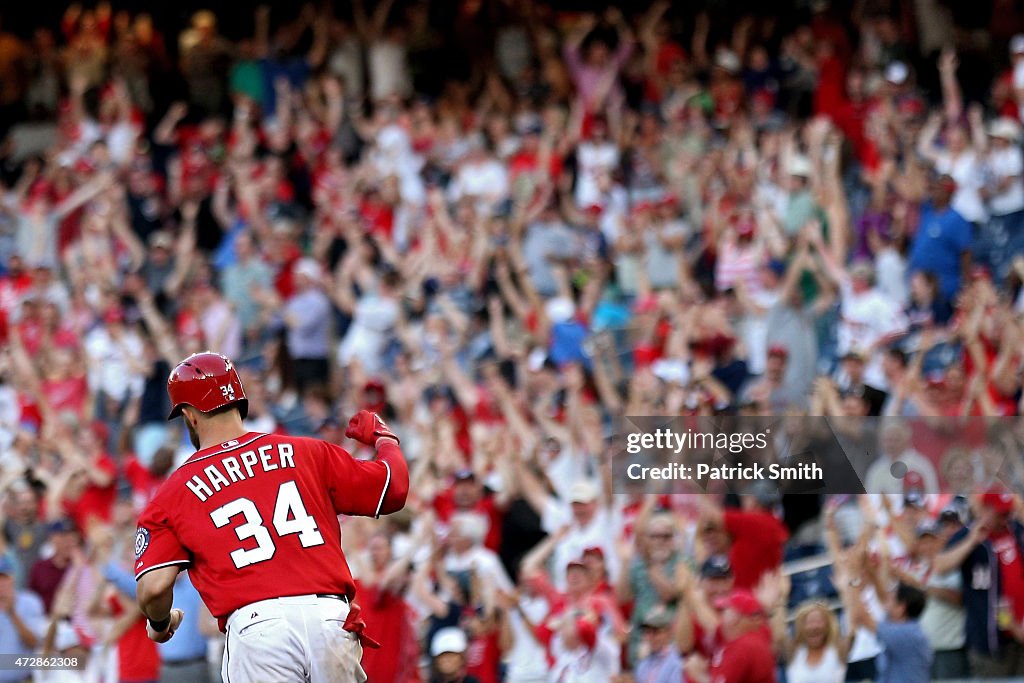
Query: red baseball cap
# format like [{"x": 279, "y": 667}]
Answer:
[
  {"x": 743, "y": 602},
  {"x": 998, "y": 499},
  {"x": 778, "y": 350},
  {"x": 593, "y": 550}
]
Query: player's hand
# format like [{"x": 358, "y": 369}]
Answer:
[
  {"x": 367, "y": 427},
  {"x": 163, "y": 636}
]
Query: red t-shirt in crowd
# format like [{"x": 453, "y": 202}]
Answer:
[
  {"x": 483, "y": 655},
  {"x": 96, "y": 501},
  {"x": 144, "y": 484},
  {"x": 138, "y": 660},
  {"x": 66, "y": 395},
  {"x": 747, "y": 659},
  {"x": 44, "y": 579},
  {"x": 1011, "y": 568},
  {"x": 757, "y": 540},
  {"x": 390, "y": 621}
]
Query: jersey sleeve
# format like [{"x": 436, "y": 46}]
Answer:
[
  {"x": 356, "y": 487},
  {"x": 156, "y": 544}
]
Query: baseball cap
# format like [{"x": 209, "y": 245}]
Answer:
[
  {"x": 450, "y": 639},
  {"x": 743, "y": 602},
  {"x": 329, "y": 422},
  {"x": 6, "y": 566},
  {"x": 1017, "y": 44},
  {"x": 853, "y": 354},
  {"x": 593, "y": 550},
  {"x": 716, "y": 567},
  {"x": 308, "y": 268},
  {"x": 955, "y": 511},
  {"x": 998, "y": 499},
  {"x": 575, "y": 562},
  {"x": 800, "y": 166},
  {"x": 778, "y": 350},
  {"x": 928, "y": 528},
  {"x": 658, "y": 617},
  {"x": 765, "y": 493},
  {"x": 162, "y": 239},
  {"x": 582, "y": 492},
  {"x": 862, "y": 269},
  {"x": 896, "y": 73},
  {"x": 1005, "y": 128},
  {"x": 913, "y": 498},
  {"x": 560, "y": 309},
  {"x": 60, "y": 526},
  {"x": 465, "y": 475}
]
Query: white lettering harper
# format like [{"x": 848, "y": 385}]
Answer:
[{"x": 213, "y": 478}]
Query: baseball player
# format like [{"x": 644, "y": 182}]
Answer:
[{"x": 253, "y": 517}]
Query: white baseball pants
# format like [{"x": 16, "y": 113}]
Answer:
[{"x": 297, "y": 639}]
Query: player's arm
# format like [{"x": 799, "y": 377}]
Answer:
[
  {"x": 373, "y": 487},
  {"x": 159, "y": 556},
  {"x": 155, "y": 594}
]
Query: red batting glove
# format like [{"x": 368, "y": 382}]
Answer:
[{"x": 367, "y": 427}]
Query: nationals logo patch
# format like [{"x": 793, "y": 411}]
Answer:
[{"x": 141, "y": 541}]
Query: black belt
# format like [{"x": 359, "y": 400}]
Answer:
[
  {"x": 183, "y": 662},
  {"x": 343, "y": 598}
]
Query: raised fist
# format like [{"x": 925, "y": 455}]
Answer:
[{"x": 367, "y": 427}]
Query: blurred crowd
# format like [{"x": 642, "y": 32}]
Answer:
[{"x": 504, "y": 228}]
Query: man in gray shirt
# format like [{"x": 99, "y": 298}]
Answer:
[{"x": 307, "y": 319}]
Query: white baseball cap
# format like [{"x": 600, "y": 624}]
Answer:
[
  {"x": 800, "y": 166},
  {"x": 450, "y": 639},
  {"x": 308, "y": 267},
  {"x": 1004, "y": 128},
  {"x": 896, "y": 73},
  {"x": 582, "y": 491},
  {"x": 560, "y": 309}
]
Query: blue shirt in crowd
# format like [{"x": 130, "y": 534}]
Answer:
[
  {"x": 29, "y": 608},
  {"x": 942, "y": 236},
  {"x": 906, "y": 655}
]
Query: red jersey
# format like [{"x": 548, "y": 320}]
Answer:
[
  {"x": 747, "y": 659},
  {"x": 757, "y": 540},
  {"x": 137, "y": 656},
  {"x": 256, "y": 518}
]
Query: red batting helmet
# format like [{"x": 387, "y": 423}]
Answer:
[{"x": 206, "y": 381}]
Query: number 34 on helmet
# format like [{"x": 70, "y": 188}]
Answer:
[{"x": 206, "y": 381}]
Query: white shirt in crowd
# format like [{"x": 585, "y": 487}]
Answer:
[
  {"x": 485, "y": 180},
  {"x": 580, "y": 665},
  {"x": 865, "y": 318},
  {"x": 367, "y": 335},
  {"x": 109, "y": 369},
  {"x": 966, "y": 170},
  {"x": 830, "y": 669},
  {"x": 596, "y": 534},
  {"x": 865, "y": 643},
  {"x": 944, "y": 622},
  {"x": 389, "y": 74},
  {"x": 484, "y": 563},
  {"x": 1002, "y": 164},
  {"x": 593, "y": 159},
  {"x": 527, "y": 659}
]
